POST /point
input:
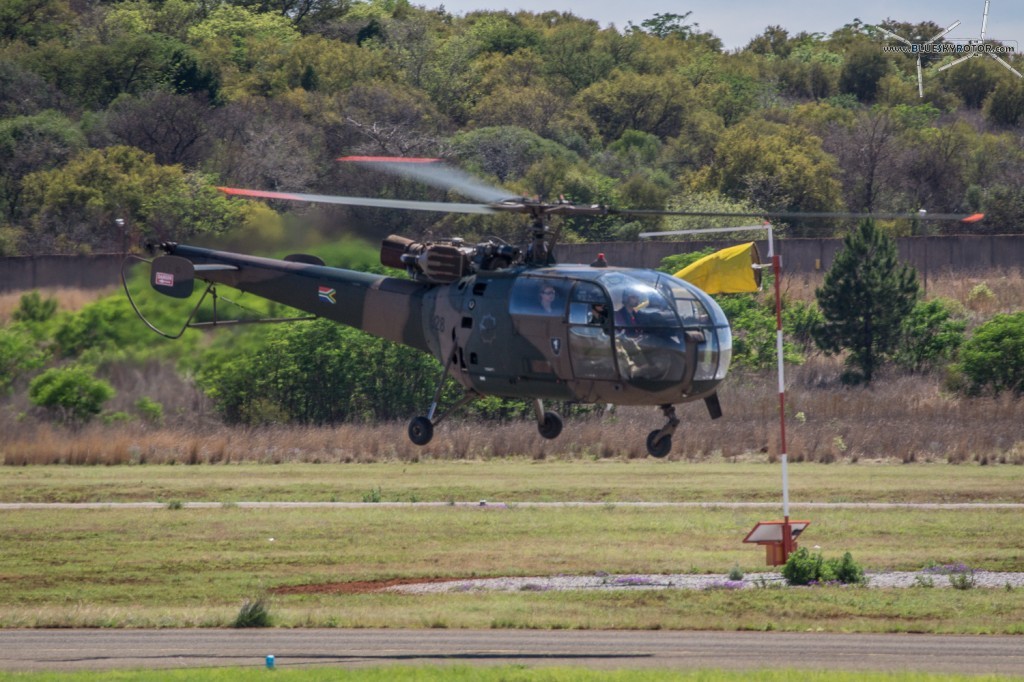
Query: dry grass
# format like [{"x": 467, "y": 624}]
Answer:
[
  {"x": 982, "y": 294},
  {"x": 67, "y": 299},
  {"x": 903, "y": 418}
]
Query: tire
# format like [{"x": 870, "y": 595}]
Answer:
[
  {"x": 658, "y": 448},
  {"x": 421, "y": 431},
  {"x": 552, "y": 425}
]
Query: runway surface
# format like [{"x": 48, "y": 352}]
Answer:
[{"x": 63, "y": 650}]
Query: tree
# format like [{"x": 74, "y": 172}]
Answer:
[
  {"x": 74, "y": 208},
  {"x": 993, "y": 358},
  {"x": 863, "y": 69},
  {"x": 169, "y": 126},
  {"x": 864, "y": 300},
  {"x": 931, "y": 333},
  {"x": 1005, "y": 106},
  {"x": 29, "y": 144},
  {"x": 72, "y": 392},
  {"x": 773, "y": 166},
  {"x": 649, "y": 103}
]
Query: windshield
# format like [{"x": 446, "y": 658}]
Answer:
[
  {"x": 652, "y": 312},
  {"x": 654, "y": 300}
]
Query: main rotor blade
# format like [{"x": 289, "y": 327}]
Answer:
[
  {"x": 793, "y": 215},
  {"x": 893, "y": 35},
  {"x": 436, "y": 173},
  {"x": 1006, "y": 64},
  {"x": 951, "y": 27},
  {"x": 957, "y": 61},
  {"x": 440, "y": 206}
]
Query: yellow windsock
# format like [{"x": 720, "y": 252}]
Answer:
[{"x": 729, "y": 271}]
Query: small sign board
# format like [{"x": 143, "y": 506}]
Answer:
[{"x": 771, "y": 531}]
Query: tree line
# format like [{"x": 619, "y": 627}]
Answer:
[{"x": 118, "y": 119}]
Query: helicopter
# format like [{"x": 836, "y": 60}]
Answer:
[{"x": 502, "y": 320}]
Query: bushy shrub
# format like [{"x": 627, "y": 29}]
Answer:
[
  {"x": 930, "y": 334},
  {"x": 255, "y": 613},
  {"x": 19, "y": 354},
  {"x": 993, "y": 358},
  {"x": 72, "y": 392},
  {"x": 34, "y": 308},
  {"x": 150, "y": 410},
  {"x": 320, "y": 372},
  {"x": 805, "y": 568}
]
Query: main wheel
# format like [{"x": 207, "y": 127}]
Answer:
[
  {"x": 421, "y": 430},
  {"x": 658, "y": 448},
  {"x": 552, "y": 425}
]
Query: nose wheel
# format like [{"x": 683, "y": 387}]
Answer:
[{"x": 659, "y": 441}]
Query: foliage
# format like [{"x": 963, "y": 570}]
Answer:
[
  {"x": 931, "y": 333},
  {"x": 773, "y": 166},
  {"x": 754, "y": 326},
  {"x": 804, "y": 568},
  {"x": 800, "y": 322},
  {"x": 993, "y": 358},
  {"x": 20, "y": 354},
  {"x": 77, "y": 206},
  {"x": 150, "y": 410},
  {"x": 268, "y": 94},
  {"x": 358, "y": 377},
  {"x": 33, "y": 143},
  {"x": 72, "y": 392},
  {"x": 674, "y": 263},
  {"x": 32, "y": 307},
  {"x": 255, "y": 613},
  {"x": 1005, "y": 106},
  {"x": 105, "y": 325},
  {"x": 864, "y": 299}
]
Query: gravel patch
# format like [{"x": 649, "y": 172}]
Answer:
[{"x": 981, "y": 579}]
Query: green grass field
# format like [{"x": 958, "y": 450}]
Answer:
[
  {"x": 516, "y": 480},
  {"x": 171, "y": 566}
]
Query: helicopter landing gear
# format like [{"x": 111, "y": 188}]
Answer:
[
  {"x": 549, "y": 423},
  {"x": 421, "y": 429},
  {"x": 659, "y": 441}
]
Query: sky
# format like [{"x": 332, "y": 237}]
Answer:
[{"x": 738, "y": 21}]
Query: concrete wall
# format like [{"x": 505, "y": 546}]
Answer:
[
  {"x": 930, "y": 255},
  {"x": 23, "y": 273}
]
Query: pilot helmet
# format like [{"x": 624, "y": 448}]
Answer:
[{"x": 633, "y": 295}]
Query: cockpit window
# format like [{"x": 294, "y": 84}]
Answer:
[{"x": 539, "y": 296}]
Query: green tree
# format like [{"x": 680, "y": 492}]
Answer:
[
  {"x": 72, "y": 392},
  {"x": 320, "y": 372},
  {"x": 931, "y": 334},
  {"x": 649, "y": 103},
  {"x": 29, "y": 144},
  {"x": 1005, "y": 106},
  {"x": 993, "y": 358},
  {"x": 19, "y": 354},
  {"x": 75, "y": 207},
  {"x": 773, "y": 166},
  {"x": 864, "y": 299},
  {"x": 863, "y": 69}
]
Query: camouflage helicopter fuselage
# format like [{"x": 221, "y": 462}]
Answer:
[{"x": 486, "y": 329}]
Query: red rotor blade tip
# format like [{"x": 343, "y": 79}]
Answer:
[{"x": 973, "y": 218}]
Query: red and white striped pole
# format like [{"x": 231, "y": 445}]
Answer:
[{"x": 787, "y": 531}]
